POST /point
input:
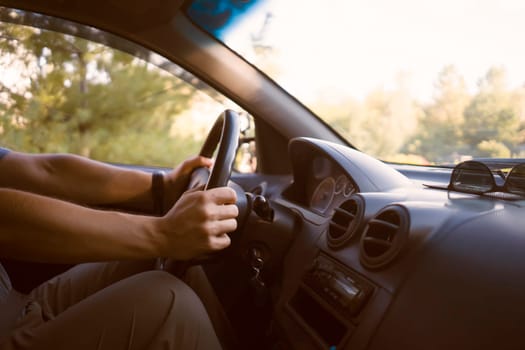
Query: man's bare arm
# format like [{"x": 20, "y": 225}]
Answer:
[
  {"x": 81, "y": 180},
  {"x": 44, "y": 229}
]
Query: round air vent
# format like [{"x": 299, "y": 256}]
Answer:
[
  {"x": 384, "y": 237},
  {"x": 345, "y": 222}
]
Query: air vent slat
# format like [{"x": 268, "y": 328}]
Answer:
[
  {"x": 376, "y": 241},
  {"x": 384, "y": 223},
  {"x": 345, "y": 222},
  {"x": 343, "y": 219},
  {"x": 384, "y": 237},
  {"x": 344, "y": 212},
  {"x": 336, "y": 226}
]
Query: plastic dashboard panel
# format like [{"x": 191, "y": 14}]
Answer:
[
  {"x": 466, "y": 291},
  {"x": 456, "y": 283}
]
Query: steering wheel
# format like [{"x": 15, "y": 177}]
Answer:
[
  {"x": 224, "y": 133},
  {"x": 223, "y": 137}
]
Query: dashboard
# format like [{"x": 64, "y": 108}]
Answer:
[
  {"x": 378, "y": 260},
  {"x": 328, "y": 186}
]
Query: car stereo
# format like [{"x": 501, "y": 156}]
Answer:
[
  {"x": 329, "y": 299},
  {"x": 341, "y": 289}
]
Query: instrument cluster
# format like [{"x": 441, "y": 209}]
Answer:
[{"x": 328, "y": 186}]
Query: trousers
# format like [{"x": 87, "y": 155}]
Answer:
[{"x": 114, "y": 305}]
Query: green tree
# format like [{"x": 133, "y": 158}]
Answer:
[
  {"x": 391, "y": 119},
  {"x": 493, "y": 117},
  {"x": 381, "y": 124},
  {"x": 441, "y": 126},
  {"x": 344, "y": 115},
  {"x": 81, "y": 97}
]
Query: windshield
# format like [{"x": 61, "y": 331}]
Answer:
[{"x": 406, "y": 81}]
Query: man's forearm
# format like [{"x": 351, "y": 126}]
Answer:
[
  {"x": 77, "y": 179},
  {"x": 44, "y": 229}
]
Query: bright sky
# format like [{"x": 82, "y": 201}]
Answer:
[{"x": 351, "y": 47}]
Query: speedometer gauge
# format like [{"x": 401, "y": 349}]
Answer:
[
  {"x": 340, "y": 184},
  {"x": 323, "y": 195},
  {"x": 349, "y": 189}
]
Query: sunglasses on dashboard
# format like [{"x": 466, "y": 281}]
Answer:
[{"x": 476, "y": 177}]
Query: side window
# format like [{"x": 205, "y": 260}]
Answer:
[
  {"x": 246, "y": 160},
  {"x": 62, "y": 93}
]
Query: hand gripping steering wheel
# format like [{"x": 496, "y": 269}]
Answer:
[
  {"x": 224, "y": 133},
  {"x": 223, "y": 136}
]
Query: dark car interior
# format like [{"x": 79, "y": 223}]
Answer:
[{"x": 335, "y": 249}]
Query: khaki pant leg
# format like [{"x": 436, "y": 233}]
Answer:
[
  {"x": 12, "y": 305},
  {"x": 81, "y": 281},
  {"x": 151, "y": 310},
  {"x": 196, "y": 278}
]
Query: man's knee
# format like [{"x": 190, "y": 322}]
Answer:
[
  {"x": 151, "y": 283},
  {"x": 167, "y": 292},
  {"x": 185, "y": 322}
]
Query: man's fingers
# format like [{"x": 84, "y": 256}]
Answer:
[
  {"x": 226, "y": 226},
  {"x": 196, "y": 162},
  {"x": 218, "y": 227},
  {"x": 219, "y": 242},
  {"x": 222, "y": 195},
  {"x": 223, "y": 212}
]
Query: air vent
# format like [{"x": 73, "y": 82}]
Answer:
[
  {"x": 384, "y": 237},
  {"x": 345, "y": 222}
]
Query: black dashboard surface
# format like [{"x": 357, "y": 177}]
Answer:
[{"x": 390, "y": 263}]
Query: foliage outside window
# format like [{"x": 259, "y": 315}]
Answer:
[
  {"x": 436, "y": 84},
  {"x": 60, "y": 93},
  {"x": 455, "y": 126}
]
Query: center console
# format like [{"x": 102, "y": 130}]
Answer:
[{"x": 328, "y": 301}]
